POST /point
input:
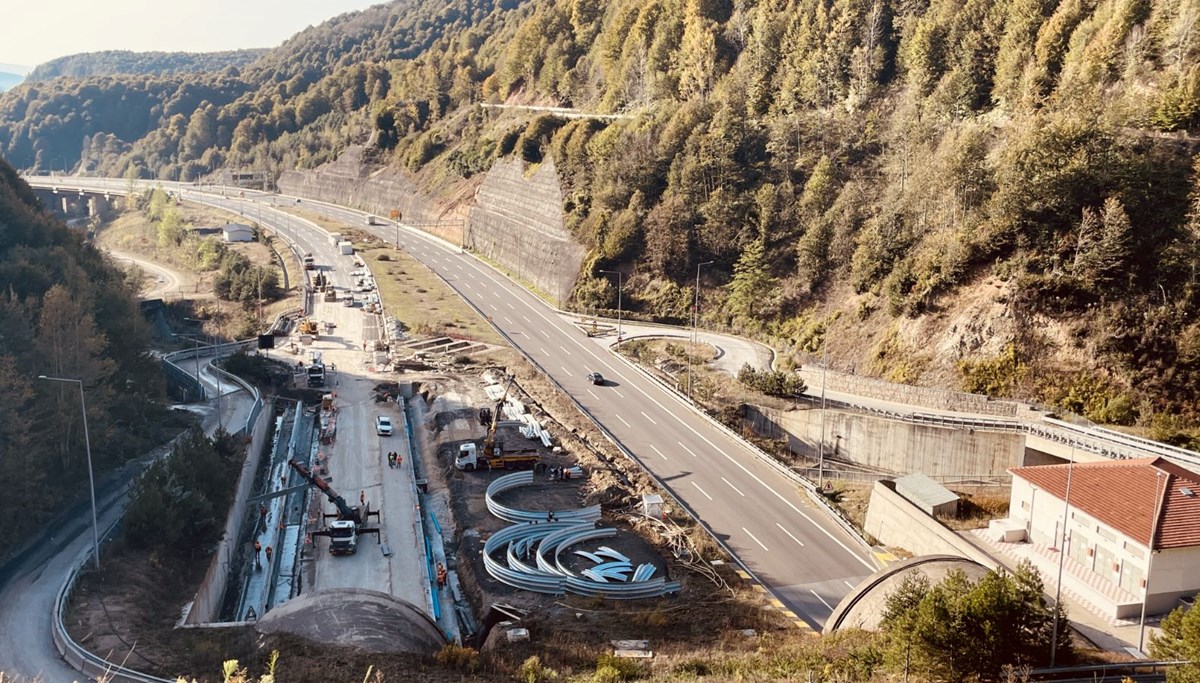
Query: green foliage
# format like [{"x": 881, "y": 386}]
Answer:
[
  {"x": 752, "y": 292},
  {"x": 458, "y": 657},
  {"x": 178, "y": 504},
  {"x": 995, "y": 377},
  {"x": 532, "y": 671},
  {"x": 1091, "y": 395},
  {"x": 958, "y": 630},
  {"x": 244, "y": 282},
  {"x": 772, "y": 382},
  {"x": 115, "y": 62},
  {"x": 611, "y": 669},
  {"x": 1179, "y": 640}
]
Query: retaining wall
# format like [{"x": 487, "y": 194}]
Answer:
[
  {"x": 929, "y": 397},
  {"x": 517, "y": 221},
  {"x": 895, "y": 522},
  {"x": 206, "y": 606},
  {"x": 892, "y": 445}
]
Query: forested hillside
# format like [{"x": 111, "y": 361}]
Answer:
[
  {"x": 115, "y": 62},
  {"x": 1005, "y": 188},
  {"x": 64, "y": 312}
]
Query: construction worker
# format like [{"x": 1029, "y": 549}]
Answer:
[
  {"x": 362, "y": 497},
  {"x": 268, "y": 554},
  {"x": 257, "y": 554},
  {"x": 441, "y": 576}
]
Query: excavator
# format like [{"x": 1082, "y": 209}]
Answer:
[
  {"x": 349, "y": 522},
  {"x": 493, "y": 455}
]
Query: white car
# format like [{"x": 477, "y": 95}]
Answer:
[{"x": 383, "y": 425}]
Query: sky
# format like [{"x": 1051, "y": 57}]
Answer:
[{"x": 36, "y": 31}]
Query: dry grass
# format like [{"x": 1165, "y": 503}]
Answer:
[{"x": 422, "y": 301}]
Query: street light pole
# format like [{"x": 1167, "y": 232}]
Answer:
[
  {"x": 1062, "y": 558},
  {"x": 1158, "y": 498},
  {"x": 695, "y": 326},
  {"x": 821, "y": 441},
  {"x": 87, "y": 440},
  {"x": 620, "y": 278}
]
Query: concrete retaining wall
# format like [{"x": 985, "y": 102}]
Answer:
[
  {"x": 929, "y": 397},
  {"x": 895, "y": 522},
  {"x": 206, "y": 606},
  {"x": 518, "y": 222},
  {"x": 942, "y": 453}
]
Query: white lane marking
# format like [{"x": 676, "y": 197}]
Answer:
[
  {"x": 527, "y": 319},
  {"x": 543, "y": 350},
  {"x": 510, "y": 305},
  {"x": 467, "y": 285},
  {"x": 733, "y": 487},
  {"x": 850, "y": 585},
  {"x": 702, "y": 490},
  {"x": 564, "y": 349},
  {"x": 821, "y": 599},
  {"x": 555, "y": 324},
  {"x": 545, "y": 333},
  {"x": 508, "y": 320},
  {"x": 593, "y": 395},
  {"x": 686, "y": 449},
  {"x": 660, "y": 453},
  {"x": 568, "y": 372},
  {"x": 623, "y": 420},
  {"x": 649, "y": 418},
  {"x": 618, "y": 393},
  {"x": 760, "y": 543},
  {"x": 789, "y": 534}
]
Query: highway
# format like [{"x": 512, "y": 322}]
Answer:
[{"x": 801, "y": 555}]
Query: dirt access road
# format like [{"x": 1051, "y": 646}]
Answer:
[{"x": 167, "y": 280}]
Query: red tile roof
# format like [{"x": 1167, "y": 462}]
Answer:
[{"x": 1127, "y": 494}]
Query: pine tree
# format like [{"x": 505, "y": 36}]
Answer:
[{"x": 753, "y": 292}]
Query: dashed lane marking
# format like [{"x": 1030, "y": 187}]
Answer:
[
  {"x": 623, "y": 420},
  {"x": 790, "y": 534},
  {"x": 741, "y": 573},
  {"x": 660, "y": 453},
  {"x": 649, "y": 418},
  {"x": 739, "y": 493},
  {"x": 821, "y": 599},
  {"x": 760, "y": 543}
]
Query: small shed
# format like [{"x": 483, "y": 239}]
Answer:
[
  {"x": 928, "y": 495},
  {"x": 236, "y": 232},
  {"x": 652, "y": 505}
]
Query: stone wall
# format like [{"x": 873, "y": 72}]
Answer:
[
  {"x": 929, "y": 397},
  {"x": 943, "y": 453},
  {"x": 518, "y": 222},
  {"x": 515, "y": 221}
]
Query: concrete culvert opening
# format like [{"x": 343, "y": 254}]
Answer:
[{"x": 366, "y": 619}]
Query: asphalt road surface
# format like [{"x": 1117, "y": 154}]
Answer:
[{"x": 797, "y": 551}]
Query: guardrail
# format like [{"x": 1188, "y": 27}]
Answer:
[
  {"x": 79, "y": 658},
  {"x": 510, "y": 514}
]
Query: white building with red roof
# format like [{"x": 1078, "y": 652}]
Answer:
[{"x": 1132, "y": 523}]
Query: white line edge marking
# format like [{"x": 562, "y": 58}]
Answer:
[
  {"x": 821, "y": 599},
  {"x": 702, "y": 490},
  {"x": 791, "y": 536},
  {"x": 760, "y": 543},
  {"x": 733, "y": 487}
]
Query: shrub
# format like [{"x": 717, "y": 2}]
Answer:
[
  {"x": 772, "y": 382},
  {"x": 459, "y": 658},
  {"x": 532, "y": 671}
]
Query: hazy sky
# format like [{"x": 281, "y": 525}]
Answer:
[{"x": 36, "y": 31}]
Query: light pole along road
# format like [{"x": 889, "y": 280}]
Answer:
[{"x": 801, "y": 555}]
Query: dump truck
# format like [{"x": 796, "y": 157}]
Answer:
[
  {"x": 349, "y": 522},
  {"x": 469, "y": 458}
]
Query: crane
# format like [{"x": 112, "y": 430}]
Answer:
[
  {"x": 349, "y": 522},
  {"x": 489, "y": 442}
]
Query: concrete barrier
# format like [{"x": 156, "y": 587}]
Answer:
[{"x": 895, "y": 522}]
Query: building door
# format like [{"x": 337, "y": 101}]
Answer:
[
  {"x": 1078, "y": 548},
  {"x": 1131, "y": 578},
  {"x": 1106, "y": 564}
]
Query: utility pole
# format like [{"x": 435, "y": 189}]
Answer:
[
  {"x": 1158, "y": 498},
  {"x": 1062, "y": 558},
  {"x": 695, "y": 330},
  {"x": 620, "y": 279},
  {"x": 821, "y": 441},
  {"x": 87, "y": 440}
]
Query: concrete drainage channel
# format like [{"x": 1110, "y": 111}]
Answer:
[{"x": 533, "y": 552}]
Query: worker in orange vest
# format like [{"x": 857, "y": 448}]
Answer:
[
  {"x": 257, "y": 552},
  {"x": 441, "y": 576}
]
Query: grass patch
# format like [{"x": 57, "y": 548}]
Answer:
[{"x": 423, "y": 302}]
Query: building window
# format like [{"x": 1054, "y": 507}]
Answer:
[
  {"x": 1134, "y": 550},
  {"x": 1105, "y": 533},
  {"x": 1024, "y": 505}
]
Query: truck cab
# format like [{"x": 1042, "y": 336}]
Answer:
[
  {"x": 343, "y": 537},
  {"x": 470, "y": 459}
]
